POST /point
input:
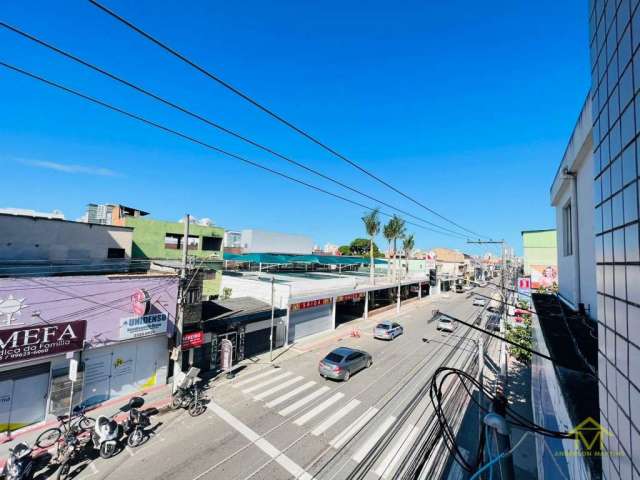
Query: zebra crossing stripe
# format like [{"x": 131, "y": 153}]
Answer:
[
  {"x": 277, "y": 388},
  {"x": 350, "y": 431},
  {"x": 255, "y": 377},
  {"x": 329, "y": 422},
  {"x": 303, "y": 401},
  {"x": 319, "y": 408},
  {"x": 291, "y": 394},
  {"x": 400, "y": 446},
  {"x": 272, "y": 380},
  {"x": 371, "y": 441}
]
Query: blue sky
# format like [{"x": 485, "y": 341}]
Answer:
[{"x": 466, "y": 106}]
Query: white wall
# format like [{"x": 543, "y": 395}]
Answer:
[{"x": 262, "y": 241}]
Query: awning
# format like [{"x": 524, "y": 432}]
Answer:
[
  {"x": 258, "y": 258},
  {"x": 273, "y": 258}
]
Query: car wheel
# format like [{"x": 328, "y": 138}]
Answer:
[
  {"x": 346, "y": 376},
  {"x": 369, "y": 362}
]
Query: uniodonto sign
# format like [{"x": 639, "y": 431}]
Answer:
[{"x": 26, "y": 343}]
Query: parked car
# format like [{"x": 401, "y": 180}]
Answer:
[
  {"x": 445, "y": 324},
  {"x": 479, "y": 302},
  {"x": 343, "y": 362},
  {"x": 493, "y": 323},
  {"x": 387, "y": 330},
  {"x": 459, "y": 288}
]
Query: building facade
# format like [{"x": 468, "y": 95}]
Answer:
[
  {"x": 614, "y": 28},
  {"x": 116, "y": 327},
  {"x": 262, "y": 241},
  {"x": 161, "y": 240}
]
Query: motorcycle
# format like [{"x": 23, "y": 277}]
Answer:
[
  {"x": 20, "y": 465},
  {"x": 105, "y": 436},
  {"x": 136, "y": 423},
  {"x": 190, "y": 398},
  {"x": 68, "y": 451}
]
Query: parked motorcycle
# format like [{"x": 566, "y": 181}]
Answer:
[
  {"x": 105, "y": 436},
  {"x": 68, "y": 451},
  {"x": 190, "y": 398},
  {"x": 136, "y": 423},
  {"x": 20, "y": 465}
]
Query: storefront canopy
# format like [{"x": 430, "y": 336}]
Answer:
[
  {"x": 311, "y": 259},
  {"x": 258, "y": 258}
]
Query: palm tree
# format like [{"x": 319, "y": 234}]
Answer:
[
  {"x": 408, "y": 243},
  {"x": 388, "y": 235},
  {"x": 396, "y": 229},
  {"x": 372, "y": 226}
]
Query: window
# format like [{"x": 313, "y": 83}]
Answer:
[
  {"x": 173, "y": 241},
  {"x": 209, "y": 275},
  {"x": 567, "y": 230},
  {"x": 194, "y": 243},
  {"x": 115, "y": 253},
  {"x": 194, "y": 295},
  {"x": 211, "y": 244}
]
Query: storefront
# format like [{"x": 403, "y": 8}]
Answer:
[
  {"x": 310, "y": 317},
  {"x": 115, "y": 327}
]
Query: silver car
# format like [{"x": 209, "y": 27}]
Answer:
[
  {"x": 479, "y": 302},
  {"x": 343, "y": 362},
  {"x": 445, "y": 324},
  {"x": 387, "y": 330}
]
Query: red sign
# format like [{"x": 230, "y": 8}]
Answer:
[
  {"x": 140, "y": 302},
  {"x": 192, "y": 340},
  {"x": 350, "y": 296},
  {"x": 524, "y": 283},
  {"x": 35, "y": 341},
  {"x": 310, "y": 304}
]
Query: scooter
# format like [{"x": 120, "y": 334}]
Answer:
[
  {"x": 136, "y": 423},
  {"x": 105, "y": 435},
  {"x": 20, "y": 464}
]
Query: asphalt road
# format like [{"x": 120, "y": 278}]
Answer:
[{"x": 287, "y": 422}]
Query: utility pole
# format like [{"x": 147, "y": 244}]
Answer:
[{"x": 181, "y": 300}]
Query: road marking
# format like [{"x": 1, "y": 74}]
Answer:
[
  {"x": 277, "y": 388},
  {"x": 252, "y": 378},
  {"x": 397, "y": 452},
  {"x": 289, "y": 465},
  {"x": 319, "y": 408},
  {"x": 324, "y": 426},
  {"x": 288, "y": 395},
  {"x": 260, "y": 385},
  {"x": 371, "y": 441},
  {"x": 303, "y": 401},
  {"x": 346, "y": 435}
]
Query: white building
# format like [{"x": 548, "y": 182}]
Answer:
[
  {"x": 572, "y": 196},
  {"x": 262, "y": 241}
]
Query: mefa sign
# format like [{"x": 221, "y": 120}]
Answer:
[{"x": 41, "y": 340}]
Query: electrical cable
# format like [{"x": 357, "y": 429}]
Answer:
[
  {"x": 272, "y": 114},
  {"x": 211, "y": 123},
  {"x": 199, "y": 142}
]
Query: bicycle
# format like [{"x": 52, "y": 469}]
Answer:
[{"x": 78, "y": 419}]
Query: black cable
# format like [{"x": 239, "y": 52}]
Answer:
[
  {"x": 213, "y": 124},
  {"x": 199, "y": 142},
  {"x": 272, "y": 114}
]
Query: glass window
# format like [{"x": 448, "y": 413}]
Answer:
[
  {"x": 625, "y": 87},
  {"x": 614, "y": 140},
  {"x": 624, "y": 49},
  {"x": 334, "y": 358},
  {"x": 620, "y": 282},
  {"x": 612, "y": 74},
  {"x": 630, "y": 203},
  {"x": 616, "y": 175},
  {"x": 606, "y": 184},
  {"x": 598, "y": 219},
  {"x": 617, "y": 217},
  {"x": 629, "y": 164},
  {"x": 608, "y": 247},
  {"x": 632, "y": 252},
  {"x": 627, "y": 125},
  {"x": 567, "y": 230},
  {"x": 618, "y": 245},
  {"x": 614, "y": 107},
  {"x": 598, "y": 250},
  {"x": 633, "y": 283},
  {"x": 606, "y": 215},
  {"x": 621, "y": 317}
]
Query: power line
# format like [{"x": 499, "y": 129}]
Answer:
[
  {"x": 211, "y": 123},
  {"x": 272, "y": 114},
  {"x": 200, "y": 142}
]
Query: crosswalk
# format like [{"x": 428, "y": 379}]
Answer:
[{"x": 325, "y": 413}]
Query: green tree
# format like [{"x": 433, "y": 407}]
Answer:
[
  {"x": 372, "y": 226},
  {"x": 361, "y": 247},
  {"x": 408, "y": 244},
  {"x": 344, "y": 250},
  {"x": 394, "y": 230},
  {"x": 387, "y": 232}
]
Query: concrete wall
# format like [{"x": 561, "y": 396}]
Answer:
[
  {"x": 539, "y": 248},
  {"x": 54, "y": 240},
  {"x": 261, "y": 241}
]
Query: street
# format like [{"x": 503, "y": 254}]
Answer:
[{"x": 287, "y": 422}]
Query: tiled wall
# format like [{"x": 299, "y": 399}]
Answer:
[{"x": 615, "y": 62}]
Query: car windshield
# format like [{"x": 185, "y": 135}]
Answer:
[
  {"x": 334, "y": 358},
  {"x": 383, "y": 326},
  {"x": 445, "y": 320}
]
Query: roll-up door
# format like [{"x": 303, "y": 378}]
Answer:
[{"x": 308, "y": 321}]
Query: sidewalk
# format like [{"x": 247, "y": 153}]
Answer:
[{"x": 157, "y": 397}]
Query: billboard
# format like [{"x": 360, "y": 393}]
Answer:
[{"x": 544, "y": 277}]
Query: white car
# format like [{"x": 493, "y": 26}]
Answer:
[
  {"x": 479, "y": 302},
  {"x": 445, "y": 324}
]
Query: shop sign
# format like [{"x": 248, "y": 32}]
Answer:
[
  {"x": 226, "y": 354},
  {"x": 38, "y": 341},
  {"x": 524, "y": 285},
  {"x": 140, "y": 302},
  {"x": 192, "y": 340},
  {"x": 143, "y": 326},
  {"x": 310, "y": 304},
  {"x": 351, "y": 296}
]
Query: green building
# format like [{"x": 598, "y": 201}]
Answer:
[
  {"x": 540, "y": 255},
  {"x": 160, "y": 240}
]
